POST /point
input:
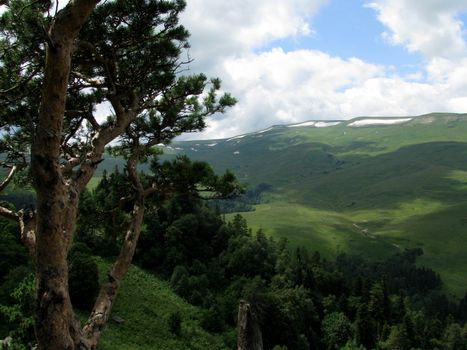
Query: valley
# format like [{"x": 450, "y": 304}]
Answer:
[{"x": 360, "y": 186}]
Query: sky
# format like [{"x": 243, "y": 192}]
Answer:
[{"x": 289, "y": 61}]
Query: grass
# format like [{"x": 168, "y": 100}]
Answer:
[
  {"x": 146, "y": 303},
  {"x": 439, "y": 230},
  {"x": 325, "y": 231},
  {"x": 92, "y": 184}
]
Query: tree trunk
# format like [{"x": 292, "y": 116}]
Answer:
[
  {"x": 56, "y": 326},
  {"x": 249, "y": 335},
  {"x": 103, "y": 306}
]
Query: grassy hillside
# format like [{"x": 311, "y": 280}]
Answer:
[
  {"x": 146, "y": 303},
  {"x": 368, "y": 190}
]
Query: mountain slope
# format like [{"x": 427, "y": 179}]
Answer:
[{"x": 359, "y": 186}]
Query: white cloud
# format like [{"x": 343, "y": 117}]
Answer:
[
  {"x": 278, "y": 87},
  {"x": 250, "y": 23},
  {"x": 221, "y": 28},
  {"x": 430, "y": 27}
]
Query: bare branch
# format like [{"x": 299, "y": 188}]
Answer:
[
  {"x": 90, "y": 82},
  {"x": 150, "y": 190},
  {"x": 27, "y": 223},
  {"x": 101, "y": 139},
  {"x": 92, "y": 49},
  {"x": 67, "y": 168},
  {"x": 9, "y": 214},
  {"x": 108, "y": 65},
  {"x": 6, "y": 182}
]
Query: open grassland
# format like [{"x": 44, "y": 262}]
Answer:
[
  {"x": 328, "y": 232},
  {"x": 146, "y": 303},
  {"x": 441, "y": 231}
]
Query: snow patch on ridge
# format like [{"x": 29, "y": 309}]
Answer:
[
  {"x": 265, "y": 130},
  {"x": 365, "y": 122},
  {"x": 316, "y": 124},
  {"x": 301, "y": 124},
  {"x": 236, "y": 137},
  {"x": 325, "y": 124}
]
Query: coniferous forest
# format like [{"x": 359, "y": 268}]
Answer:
[{"x": 300, "y": 299}]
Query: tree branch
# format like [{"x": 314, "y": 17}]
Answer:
[
  {"x": 9, "y": 214},
  {"x": 101, "y": 139},
  {"x": 108, "y": 292},
  {"x": 92, "y": 120},
  {"x": 27, "y": 227},
  {"x": 27, "y": 224},
  {"x": 22, "y": 82},
  {"x": 8, "y": 179}
]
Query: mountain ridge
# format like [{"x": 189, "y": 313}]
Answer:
[{"x": 327, "y": 121}]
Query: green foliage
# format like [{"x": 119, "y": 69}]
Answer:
[
  {"x": 213, "y": 320},
  {"x": 250, "y": 256},
  {"x": 179, "y": 281},
  {"x": 83, "y": 279},
  {"x": 398, "y": 339},
  {"x": 455, "y": 337},
  {"x": 175, "y": 323},
  {"x": 301, "y": 300},
  {"x": 11, "y": 281},
  {"x": 12, "y": 252},
  {"x": 352, "y": 345},
  {"x": 18, "y": 314},
  {"x": 337, "y": 330},
  {"x": 16, "y": 287},
  {"x": 365, "y": 332}
]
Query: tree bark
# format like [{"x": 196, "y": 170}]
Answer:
[
  {"x": 249, "y": 336},
  {"x": 56, "y": 206}
]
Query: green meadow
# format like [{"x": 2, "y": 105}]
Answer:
[{"x": 145, "y": 305}]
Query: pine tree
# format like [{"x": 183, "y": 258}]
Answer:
[{"x": 125, "y": 54}]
